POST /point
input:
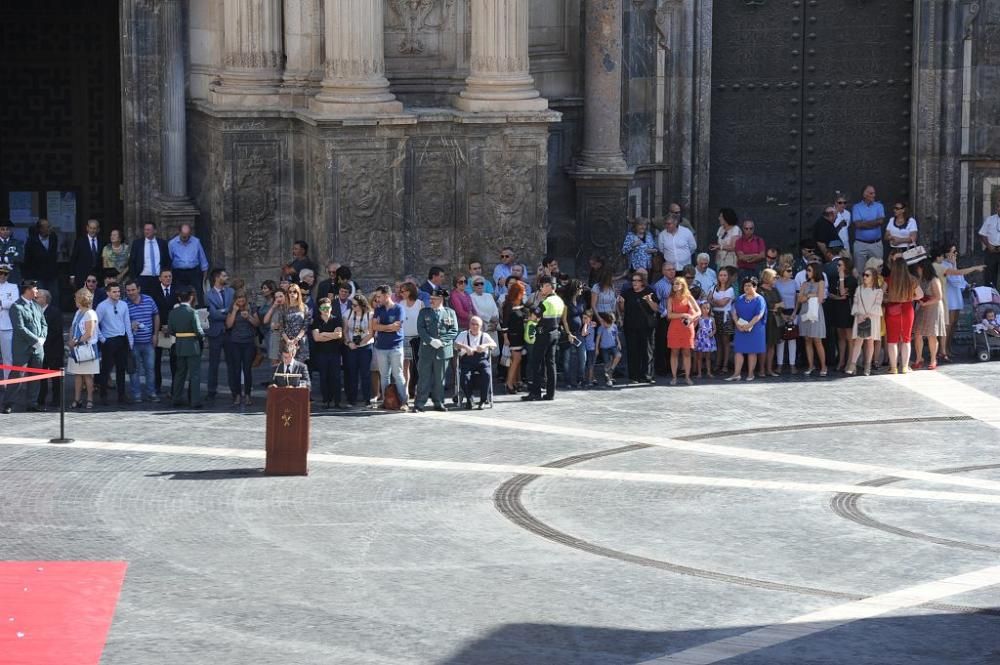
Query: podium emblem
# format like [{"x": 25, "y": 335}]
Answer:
[{"x": 286, "y": 418}]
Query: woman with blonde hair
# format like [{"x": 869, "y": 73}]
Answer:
[
  {"x": 867, "y": 311},
  {"x": 82, "y": 362},
  {"x": 682, "y": 312},
  {"x": 296, "y": 323}
]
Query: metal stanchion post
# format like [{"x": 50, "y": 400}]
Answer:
[{"x": 62, "y": 410}]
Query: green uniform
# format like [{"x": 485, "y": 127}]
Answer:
[
  {"x": 439, "y": 324},
  {"x": 185, "y": 325}
]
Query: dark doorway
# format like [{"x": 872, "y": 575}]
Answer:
[
  {"x": 60, "y": 125},
  {"x": 809, "y": 97}
]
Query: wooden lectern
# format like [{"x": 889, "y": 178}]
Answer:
[{"x": 287, "y": 432}]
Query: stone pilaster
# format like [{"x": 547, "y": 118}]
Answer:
[
  {"x": 354, "y": 83},
  {"x": 602, "y": 98},
  {"x": 252, "y": 54},
  {"x": 602, "y": 177},
  {"x": 173, "y": 207},
  {"x": 498, "y": 78}
]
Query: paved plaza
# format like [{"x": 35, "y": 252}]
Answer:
[{"x": 821, "y": 522}]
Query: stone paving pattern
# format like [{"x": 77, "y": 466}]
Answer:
[{"x": 366, "y": 564}]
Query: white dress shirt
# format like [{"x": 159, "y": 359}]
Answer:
[
  {"x": 677, "y": 247},
  {"x": 151, "y": 250},
  {"x": 991, "y": 230}
]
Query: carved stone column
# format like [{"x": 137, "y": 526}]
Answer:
[
  {"x": 303, "y": 28},
  {"x": 602, "y": 99},
  {"x": 355, "y": 82},
  {"x": 601, "y": 174},
  {"x": 173, "y": 205},
  {"x": 252, "y": 53},
  {"x": 499, "y": 78}
]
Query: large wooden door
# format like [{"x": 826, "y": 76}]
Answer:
[{"x": 809, "y": 97}]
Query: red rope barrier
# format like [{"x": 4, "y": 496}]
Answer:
[{"x": 39, "y": 374}]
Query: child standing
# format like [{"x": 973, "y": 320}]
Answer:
[
  {"x": 588, "y": 335},
  {"x": 610, "y": 346},
  {"x": 704, "y": 341}
]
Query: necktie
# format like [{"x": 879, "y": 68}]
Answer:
[
  {"x": 93, "y": 246},
  {"x": 149, "y": 251}
]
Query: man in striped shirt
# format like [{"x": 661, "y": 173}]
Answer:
[{"x": 145, "y": 317}]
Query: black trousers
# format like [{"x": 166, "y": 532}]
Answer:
[
  {"x": 476, "y": 376},
  {"x": 114, "y": 353},
  {"x": 328, "y": 366},
  {"x": 661, "y": 354},
  {"x": 639, "y": 343},
  {"x": 192, "y": 277},
  {"x": 543, "y": 363},
  {"x": 992, "y": 273}
]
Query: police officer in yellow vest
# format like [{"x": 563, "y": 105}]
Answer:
[{"x": 543, "y": 353}]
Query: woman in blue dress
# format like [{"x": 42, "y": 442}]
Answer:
[{"x": 750, "y": 311}]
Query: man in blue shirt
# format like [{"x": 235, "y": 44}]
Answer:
[
  {"x": 388, "y": 326},
  {"x": 145, "y": 317},
  {"x": 868, "y": 218},
  {"x": 663, "y": 287},
  {"x": 476, "y": 270},
  {"x": 189, "y": 261},
  {"x": 114, "y": 332}
]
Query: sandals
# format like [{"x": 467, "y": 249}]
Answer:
[
  {"x": 822, "y": 372},
  {"x": 90, "y": 405},
  {"x": 932, "y": 366},
  {"x": 735, "y": 377},
  {"x": 917, "y": 365},
  {"x": 75, "y": 405}
]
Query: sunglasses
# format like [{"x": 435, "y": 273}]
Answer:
[
  {"x": 478, "y": 284},
  {"x": 637, "y": 281},
  {"x": 841, "y": 202},
  {"x": 787, "y": 270},
  {"x": 460, "y": 281},
  {"x": 898, "y": 208},
  {"x": 506, "y": 256}
]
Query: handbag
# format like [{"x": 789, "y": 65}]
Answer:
[
  {"x": 85, "y": 352},
  {"x": 811, "y": 315},
  {"x": 391, "y": 399},
  {"x": 865, "y": 328},
  {"x": 790, "y": 331},
  {"x": 505, "y": 357}
]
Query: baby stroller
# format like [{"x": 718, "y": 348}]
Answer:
[{"x": 984, "y": 345}]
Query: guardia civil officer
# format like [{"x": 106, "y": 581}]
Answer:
[
  {"x": 437, "y": 326},
  {"x": 543, "y": 353}
]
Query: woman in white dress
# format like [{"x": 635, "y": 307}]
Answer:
[
  {"x": 83, "y": 336},
  {"x": 867, "y": 306}
]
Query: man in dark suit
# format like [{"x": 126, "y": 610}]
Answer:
[
  {"x": 30, "y": 331},
  {"x": 437, "y": 326},
  {"x": 86, "y": 255},
  {"x": 53, "y": 348},
  {"x": 147, "y": 258},
  {"x": 41, "y": 254},
  {"x": 289, "y": 365},
  {"x": 219, "y": 299},
  {"x": 165, "y": 297}
]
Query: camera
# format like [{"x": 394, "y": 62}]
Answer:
[{"x": 357, "y": 340}]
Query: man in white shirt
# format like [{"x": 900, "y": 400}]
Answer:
[
  {"x": 705, "y": 276},
  {"x": 843, "y": 222},
  {"x": 989, "y": 235},
  {"x": 8, "y": 296},
  {"x": 676, "y": 243}
]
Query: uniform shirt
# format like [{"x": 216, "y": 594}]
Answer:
[
  {"x": 8, "y": 296},
  {"x": 991, "y": 230},
  {"x": 143, "y": 312}
]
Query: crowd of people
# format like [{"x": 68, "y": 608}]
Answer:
[{"x": 860, "y": 293}]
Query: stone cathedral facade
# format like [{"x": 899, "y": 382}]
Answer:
[{"x": 395, "y": 134}]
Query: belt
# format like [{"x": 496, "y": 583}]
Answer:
[{"x": 185, "y": 334}]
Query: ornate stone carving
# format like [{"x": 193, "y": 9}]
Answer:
[
  {"x": 416, "y": 16},
  {"x": 253, "y": 60},
  {"x": 365, "y": 222},
  {"x": 434, "y": 208},
  {"x": 508, "y": 202},
  {"x": 256, "y": 200}
]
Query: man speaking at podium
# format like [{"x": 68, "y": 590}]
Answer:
[{"x": 289, "y": 365}]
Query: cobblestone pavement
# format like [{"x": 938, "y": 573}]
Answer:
[{"x": 772, "y": 523}]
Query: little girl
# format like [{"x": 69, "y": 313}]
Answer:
[
  {"x": 610, "y": 346},
  {"x": 990, "y": 324},
  {"x": 587, "y": 334},
  {"x": 704, "y": 341}
]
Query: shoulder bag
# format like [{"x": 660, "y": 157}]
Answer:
[{"x": 81, "y": 353}]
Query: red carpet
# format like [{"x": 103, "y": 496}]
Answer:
[{"x": 57, "y": 612}]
